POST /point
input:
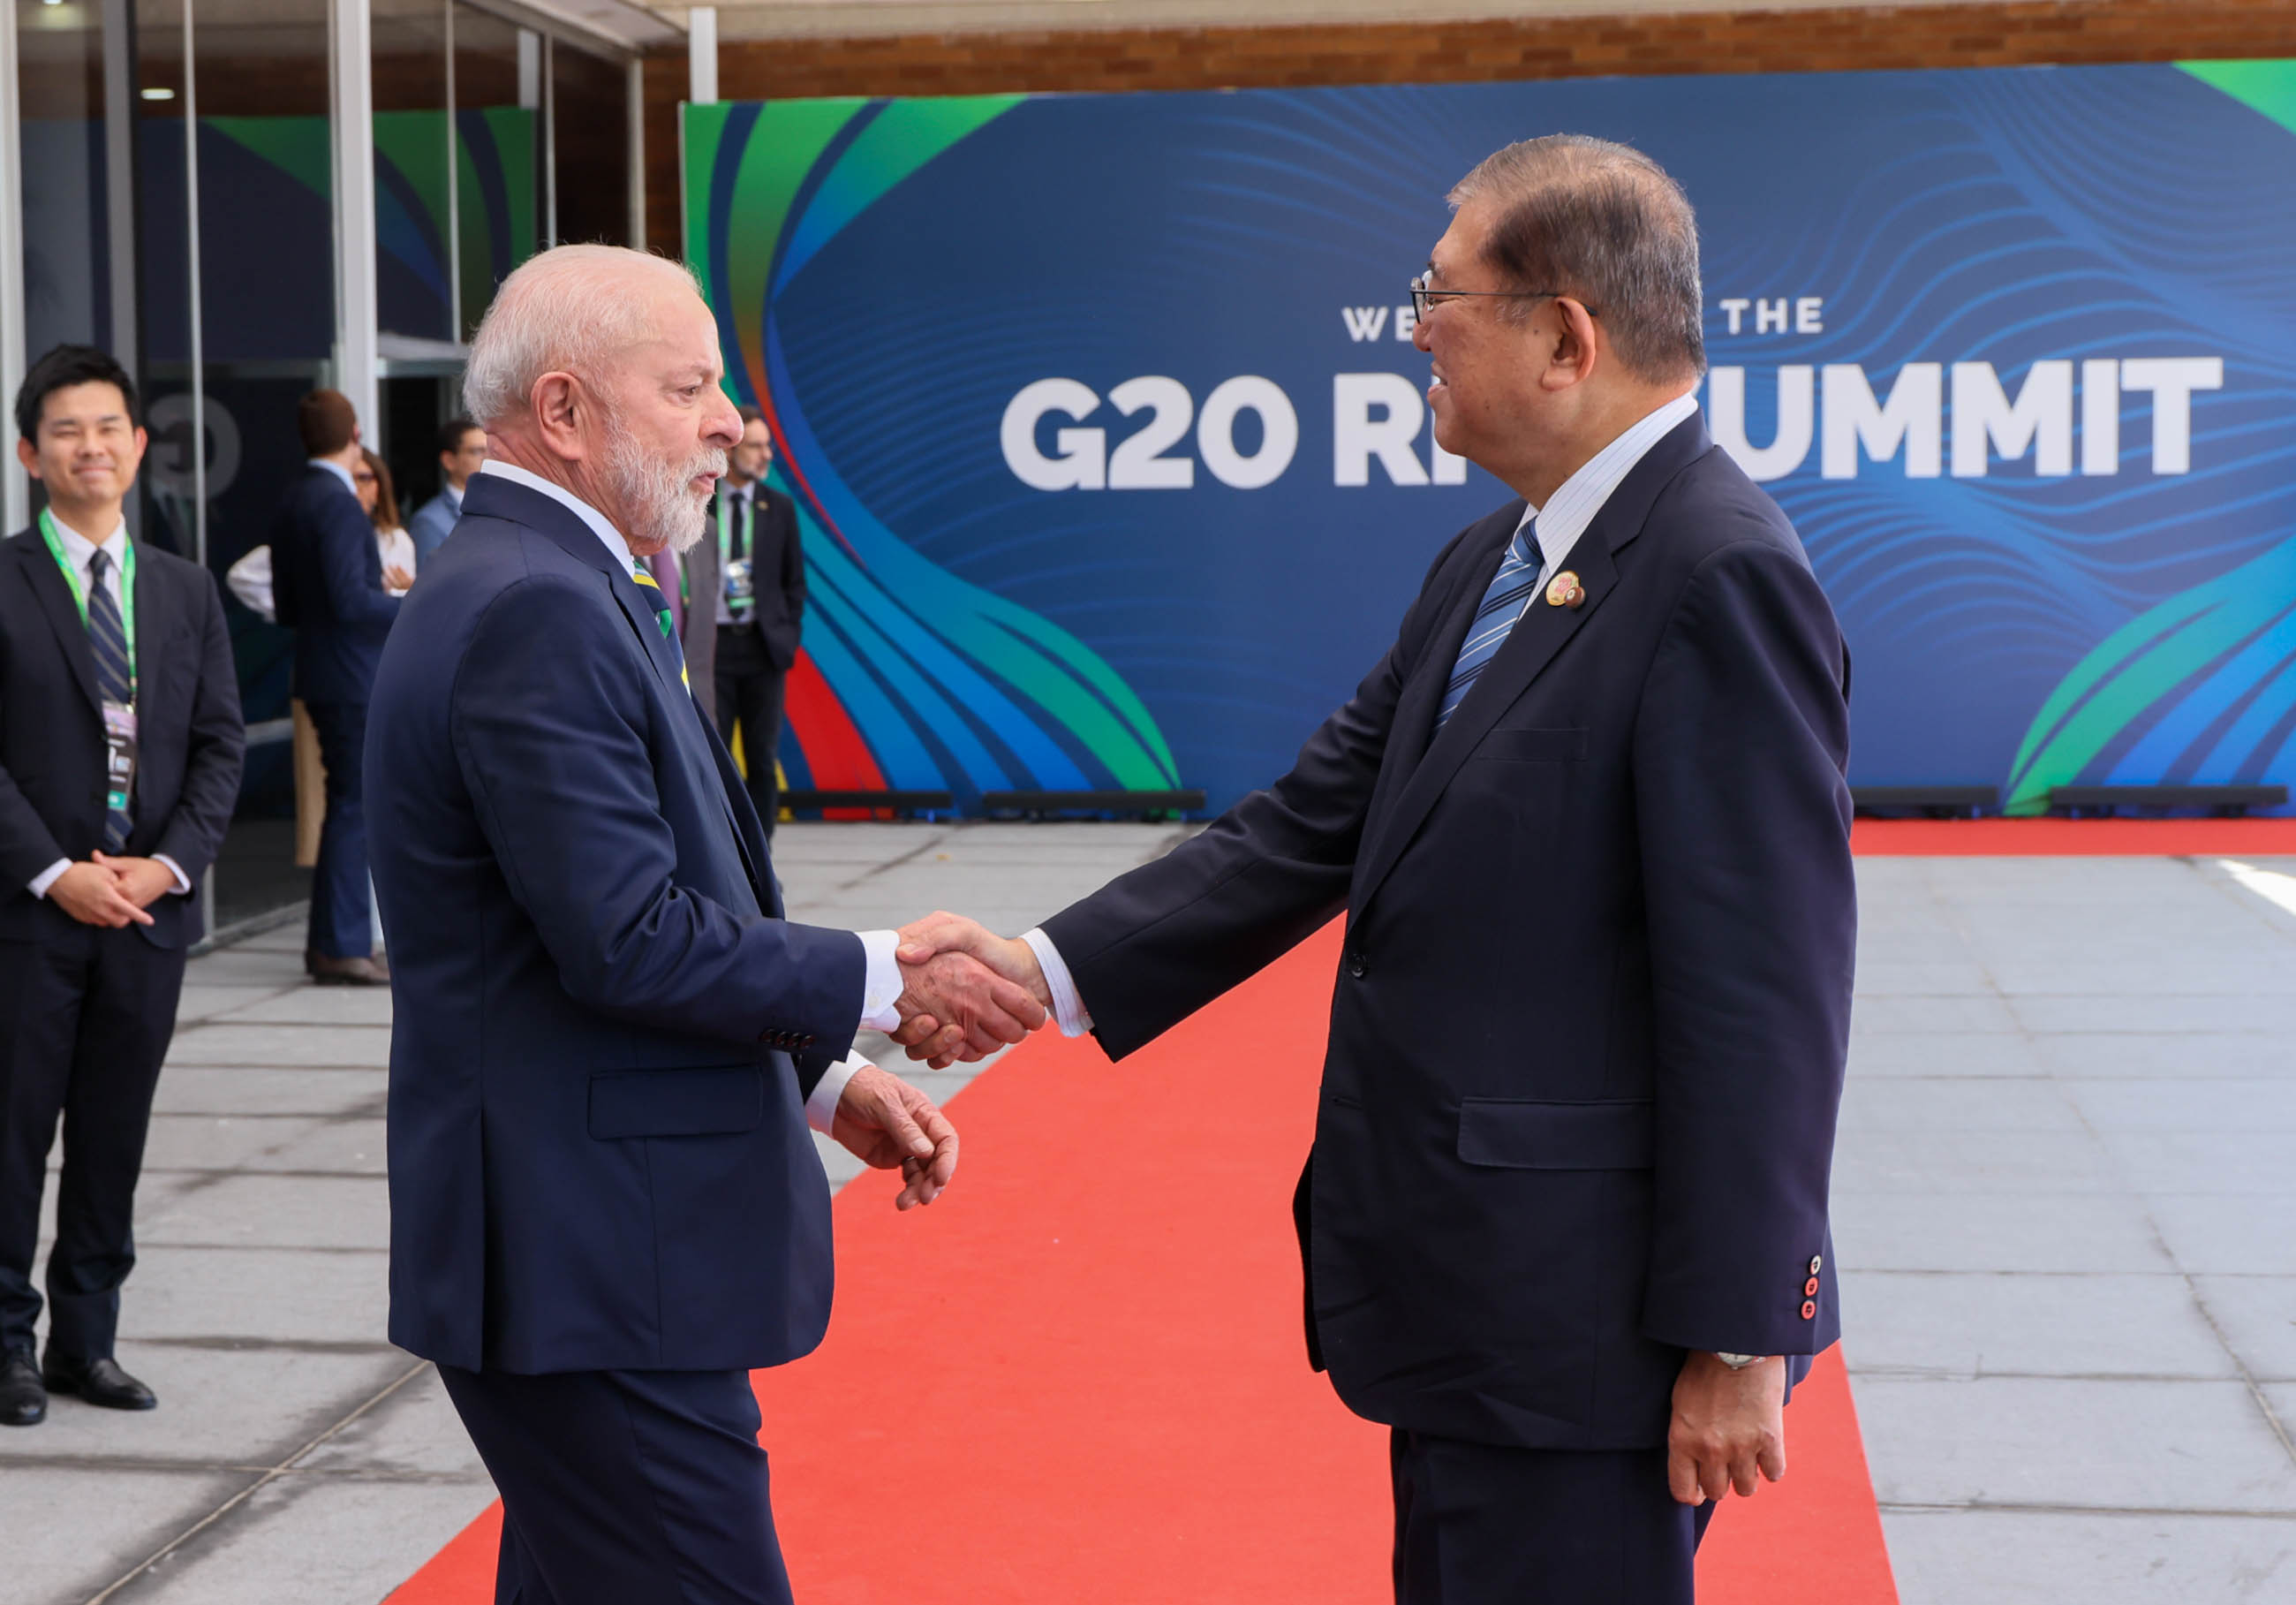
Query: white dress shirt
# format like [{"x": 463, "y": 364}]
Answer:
[
  {"x": 881, "y": 983},
  {"x": 80, "y": 551},
  {"x": 746, "y": 495},
  {"x": 1563, "y": 519}
]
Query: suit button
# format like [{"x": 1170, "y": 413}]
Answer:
[
  {"x": 1808, "y": 1310},
  {"x": 1817, "y": 1264},
  {"x": 1809, "y": 1288},
  {"x": 1355, "y": 965},
  {"x": 804, "y": 1041}
]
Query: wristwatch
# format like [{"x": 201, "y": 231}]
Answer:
[{"x": 1738, "y": 1362}]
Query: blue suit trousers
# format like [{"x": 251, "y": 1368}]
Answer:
[
  {"x": 343, "y": 906},
  {"x": 626, "y": 1488}
]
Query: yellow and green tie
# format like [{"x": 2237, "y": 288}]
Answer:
[{"x": 661, "y": 616}]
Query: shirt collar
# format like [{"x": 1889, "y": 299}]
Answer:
[
  {"x": 338, "y": 471},
  {"x": 79, "y": 549},
  {"x": 1575, "y": 502},
  {"x": 600, "y": 526},
  {"x": 454, "y": 497}
]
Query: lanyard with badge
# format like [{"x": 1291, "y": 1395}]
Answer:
[
  {"x": 119, "y": 718},
  {"x": 741, "y": 583}
]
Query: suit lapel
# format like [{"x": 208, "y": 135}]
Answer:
[
  {"x": 1534, "y": 643},
  {"x": 47, "y": 583}
]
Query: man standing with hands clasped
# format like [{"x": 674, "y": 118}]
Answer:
[
  {"x": 760, "y": 608},
  {"x": 120, "y": 744},
  {"x": 1564, "y": 1222}
]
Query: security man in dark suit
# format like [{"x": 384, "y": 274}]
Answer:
[
  {"x": 327, "y": 582},
  {"x": 120, "y": 744},
  {"x": 1564, "y": 1224},
  {"x": 760, "y": 608}
]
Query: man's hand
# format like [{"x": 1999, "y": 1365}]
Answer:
[
  {"x": 1727, "y": 1426},
  {"x": 1009, "y": 958},
  {"x": 142, "y": 881},
  {"x": 956, "y": 990},
  {"x": 395, "y": 577},
  {"x": 93, "y": 894},
  {"x": 884, "y": 1122}
]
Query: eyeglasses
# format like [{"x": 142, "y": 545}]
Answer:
[
  {"x": 364, "y": 478},
  {"x": 1425, "y": 297}
]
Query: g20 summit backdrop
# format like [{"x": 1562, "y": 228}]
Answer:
[{"x": 1110, "y": 452}]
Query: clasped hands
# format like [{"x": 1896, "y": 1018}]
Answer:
[{"x": 113, "y": 892}]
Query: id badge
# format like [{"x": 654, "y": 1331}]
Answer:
[
  {"x": 740, "y": 586},
  {"x": 119, "y": 754}
]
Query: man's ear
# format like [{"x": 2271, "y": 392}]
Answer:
[
  {"x": 559, "y": 414},
  {"x": 29, "y": 458},
  {"x": 1574, "y": 353}
]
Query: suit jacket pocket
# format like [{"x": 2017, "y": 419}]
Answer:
[
  {"x": 708, "y": 1100},
  {"x": 1517, "y": 1133},
  {"x": 1533, "y": 746}
]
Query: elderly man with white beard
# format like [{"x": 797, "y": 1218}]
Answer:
[{"x": 605, "y": 1207}]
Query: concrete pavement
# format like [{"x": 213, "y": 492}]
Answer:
[{"x": 2065, "y": 1194}]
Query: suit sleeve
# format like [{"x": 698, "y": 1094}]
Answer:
[
  {"x": 350, "y": 568},
  {"x": 553, "y": 733},
  {"x": 1153, "y": 946},
  {"x": 792, "y": 563},
  {"x": 216, "y": 745},
  {"x": 1741, "y": 748},
  {"x": 27, "y": 845}
]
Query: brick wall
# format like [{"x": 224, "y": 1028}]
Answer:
[{"x": 2017, "y": 33}]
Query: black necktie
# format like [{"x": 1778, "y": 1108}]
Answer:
[{"x": 108, "y": 637}]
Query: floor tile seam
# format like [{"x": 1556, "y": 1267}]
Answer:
[
  {"x": 285, "y": 1024},
  {"x": 1923, "y": 1373},
  {"x": 223, "y": 1511},
  {"x": 232, "y": 1343},
  {"x": 161, "y": 1465},
  {"x": 2260, "y": 909},
  {"x": 1917, "y": 1507},
  {"x": 142, "y": 1243},
  {"x": 254, "y": 1170},
  {"x": 173, "y": 1062},
  {"x": 938, "y": 834}
]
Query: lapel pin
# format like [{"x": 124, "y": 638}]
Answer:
[{"x": 1565, "y": 591}]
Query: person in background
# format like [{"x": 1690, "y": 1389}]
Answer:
[
  {"x": 685, "y": 578},
  {"x": 461, "y": 449},
  {"x": 372, "y": 481},
  {"x": 760, "y": 608},
  {"x": 120, "y": 745},
  {"x": 327, "y": 585}
]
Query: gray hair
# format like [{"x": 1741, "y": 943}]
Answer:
[
  {"x": 568, "y": 309},
  {"x": 1604, "y": 223}
]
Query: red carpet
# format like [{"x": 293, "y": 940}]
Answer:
[
  {"x": 1079, "y": 1377},
  {"x": 2073, "y": 838}
]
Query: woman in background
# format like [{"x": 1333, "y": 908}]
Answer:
[{"x": 372, "y": 480}]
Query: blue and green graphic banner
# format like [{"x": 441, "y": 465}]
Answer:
[{"x": 1108, "y": 437}]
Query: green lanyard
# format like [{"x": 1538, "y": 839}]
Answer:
[{"x": 79, "y": 589}]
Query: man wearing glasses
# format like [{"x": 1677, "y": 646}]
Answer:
[{"x": 1565, "y": 1219}]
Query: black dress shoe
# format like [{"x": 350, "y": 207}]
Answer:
[
  {"x": 98, "y": 1382},
  {"x": 23, "y": 1401}
]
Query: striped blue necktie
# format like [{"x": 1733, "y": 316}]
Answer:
[
  {"x": 109, "y": 637},
  {"x": 1506, "y": 600}
]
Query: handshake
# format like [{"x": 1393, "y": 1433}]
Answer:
[{"x": 965, "y": 992}]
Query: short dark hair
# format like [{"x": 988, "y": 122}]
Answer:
[
  {"x": 1604, "y": 223},
  {"x": 451, "y": 434},
  {"x": 326, "y": 421},
  {"x": 750, "y": 415},
  {"x": 60, "y": 368}
]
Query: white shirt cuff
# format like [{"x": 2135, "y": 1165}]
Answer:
[
  {"x": 48, "y": 877},
  {"x": 183, "y": 881},
  {"x": 882, "y": 988},
  {"x": 821, "y": 1108},
  {"x": 1068, "y": 1008}
]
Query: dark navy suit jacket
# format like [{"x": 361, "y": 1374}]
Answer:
[
  {"x": 52, "y": 745},
  {"x": 1588, "y": 1039},
  {"x": 326, "y": 582},
  {"x": 599, "y": 1158}
]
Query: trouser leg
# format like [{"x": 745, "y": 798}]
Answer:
[
  {"x": 764, "y": 778},
  {"x": 628, "y": 1488},
  {"x": 341, "y": 914},
  {"x": 1479, "y": 1525},
  {"x": 41, "y": 983},
  {"x": 126, "y": 1023}
]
